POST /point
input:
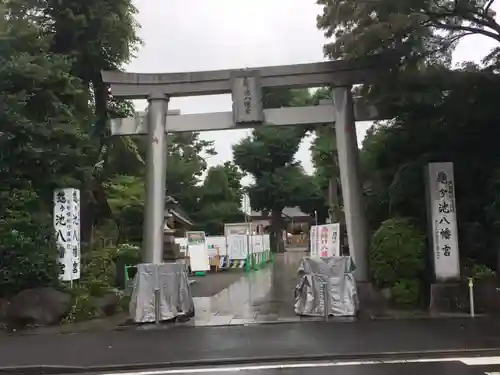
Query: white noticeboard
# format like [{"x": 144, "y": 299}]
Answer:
[
  {"x": 215, "y": 243},
  {"x": 237, "y": 246},
  {"x": 442, "y": 206},
  {"x": 197, "y": 250},
  {"x": 67, "y": 231},
  {"x": 324, "y": 240},
  {"x": 257, "y": 244}
]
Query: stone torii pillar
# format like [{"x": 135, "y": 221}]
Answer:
[
  {"x": 156, "y": 167},
  {"x": 351, "y": 185}
]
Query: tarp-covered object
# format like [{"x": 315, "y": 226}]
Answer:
[
  {"x": 333, "y": 274},
  {"x": 171, "y": 280}
]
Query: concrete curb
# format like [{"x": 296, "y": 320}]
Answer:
[{"x": 428, "y": 354}]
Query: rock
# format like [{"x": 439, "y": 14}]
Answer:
[
  {"x": 39, "y": 307},
  {"x": 108, "y": 303}
]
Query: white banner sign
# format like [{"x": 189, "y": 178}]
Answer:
[
  {"x": 441, "y": 194},
  {"x": 198, "y": 252},
  {"x": 324, "y": 240},
  {"x": 67, "y": 230}
]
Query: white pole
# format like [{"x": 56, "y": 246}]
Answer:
[
  {"x": 247, "y": 230},
  {"x": 471, "y": 297},
  {"x": 317, "y": 231}
]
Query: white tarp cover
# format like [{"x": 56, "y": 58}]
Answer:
[
  {"x": 175, "y": 298},
  {"x": 335, "y": 273}
]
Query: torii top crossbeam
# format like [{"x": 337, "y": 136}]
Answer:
[{"x": 333, "y": 73}]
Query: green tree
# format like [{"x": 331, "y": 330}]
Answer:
[
  {"x": 125, "y": 196},
  {"x": 43, "y": 146},
  {"x": 186, "y": 165},
  {"x": 268, "y": 155},
  {"x": 234, "y": 176},
  {"x": 415, "y": 30},
  {"x": 219, "y": 202}
]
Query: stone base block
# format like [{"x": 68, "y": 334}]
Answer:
[
  {"x": 448, "y": 298},
  {"x": 370, "y": 298}
]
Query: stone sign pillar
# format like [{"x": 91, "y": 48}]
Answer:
[
  {"x": 443, "y": 221},
  {"x": 443, "y": 236},
  {"x": 352, "y": 192}
]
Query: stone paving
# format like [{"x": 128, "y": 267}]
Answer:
[{"x": 263, "y": 296}]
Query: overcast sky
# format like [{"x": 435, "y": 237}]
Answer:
[{"x": 182, "y": 35}]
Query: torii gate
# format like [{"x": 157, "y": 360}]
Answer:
[{"x": 246, "y": 88}]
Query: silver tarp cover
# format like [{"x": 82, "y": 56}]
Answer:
[
  {"x": 171, "y": 280},
  {"x": 333, "y": 274}
]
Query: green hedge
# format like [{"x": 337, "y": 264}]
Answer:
[{"x": 397, "y": 259}]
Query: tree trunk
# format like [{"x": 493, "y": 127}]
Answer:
[{"x": 277, "y": 244}]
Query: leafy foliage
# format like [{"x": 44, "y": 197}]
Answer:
[
  {"x": 42, "y": 145},
  {"x": 98, "y": 271},
  {"x": 406, "y": 292},
  {"x": 28, "y": 255},
  {"x": 397, "y": 252},
  {"x": 268, "y": 155},
  {"x": 219, "y": 201}
]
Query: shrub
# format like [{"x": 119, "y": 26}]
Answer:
[
  {"x": 397, "y": 252},
  {"x": 406, "y": 293},
  {"x": 129, "y": 254},
  {"x": 83, "y": 306},
  {"x": 28, "y": 254},
  {"x": 481, "y": 272},
  {"x": 98, "y": 271}
]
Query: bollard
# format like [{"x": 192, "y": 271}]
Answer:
[
  {"x": 471, "y": 297},
  {"x": 324, "y": 292},
  {"x": 157, "y": 306}
]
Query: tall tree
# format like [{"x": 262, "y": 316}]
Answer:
[
  {"x": 219, "y": 202},
  {"x": 416, "y": 30},
  {"x": 234, "y": 176},
  {"x": 268, "y": 155},
  {"x": 43, "y": 146}
]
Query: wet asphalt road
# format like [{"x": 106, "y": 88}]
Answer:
[
  {"x": 431, "y": 368},
  {"x": 445, "y": 368},
  {"x": 210, "y": 346}
]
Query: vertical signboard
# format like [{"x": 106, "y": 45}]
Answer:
[
  {"x": 198, "y": 252},
  {"x": 67, "y": 231},
  {"x": 324, "y": 240},
  {"x": 443, "y": 220}
]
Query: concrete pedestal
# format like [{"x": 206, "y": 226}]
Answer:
[
  {"x": 371, "y": 301},
  {"x": 448, "y": 298}
]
